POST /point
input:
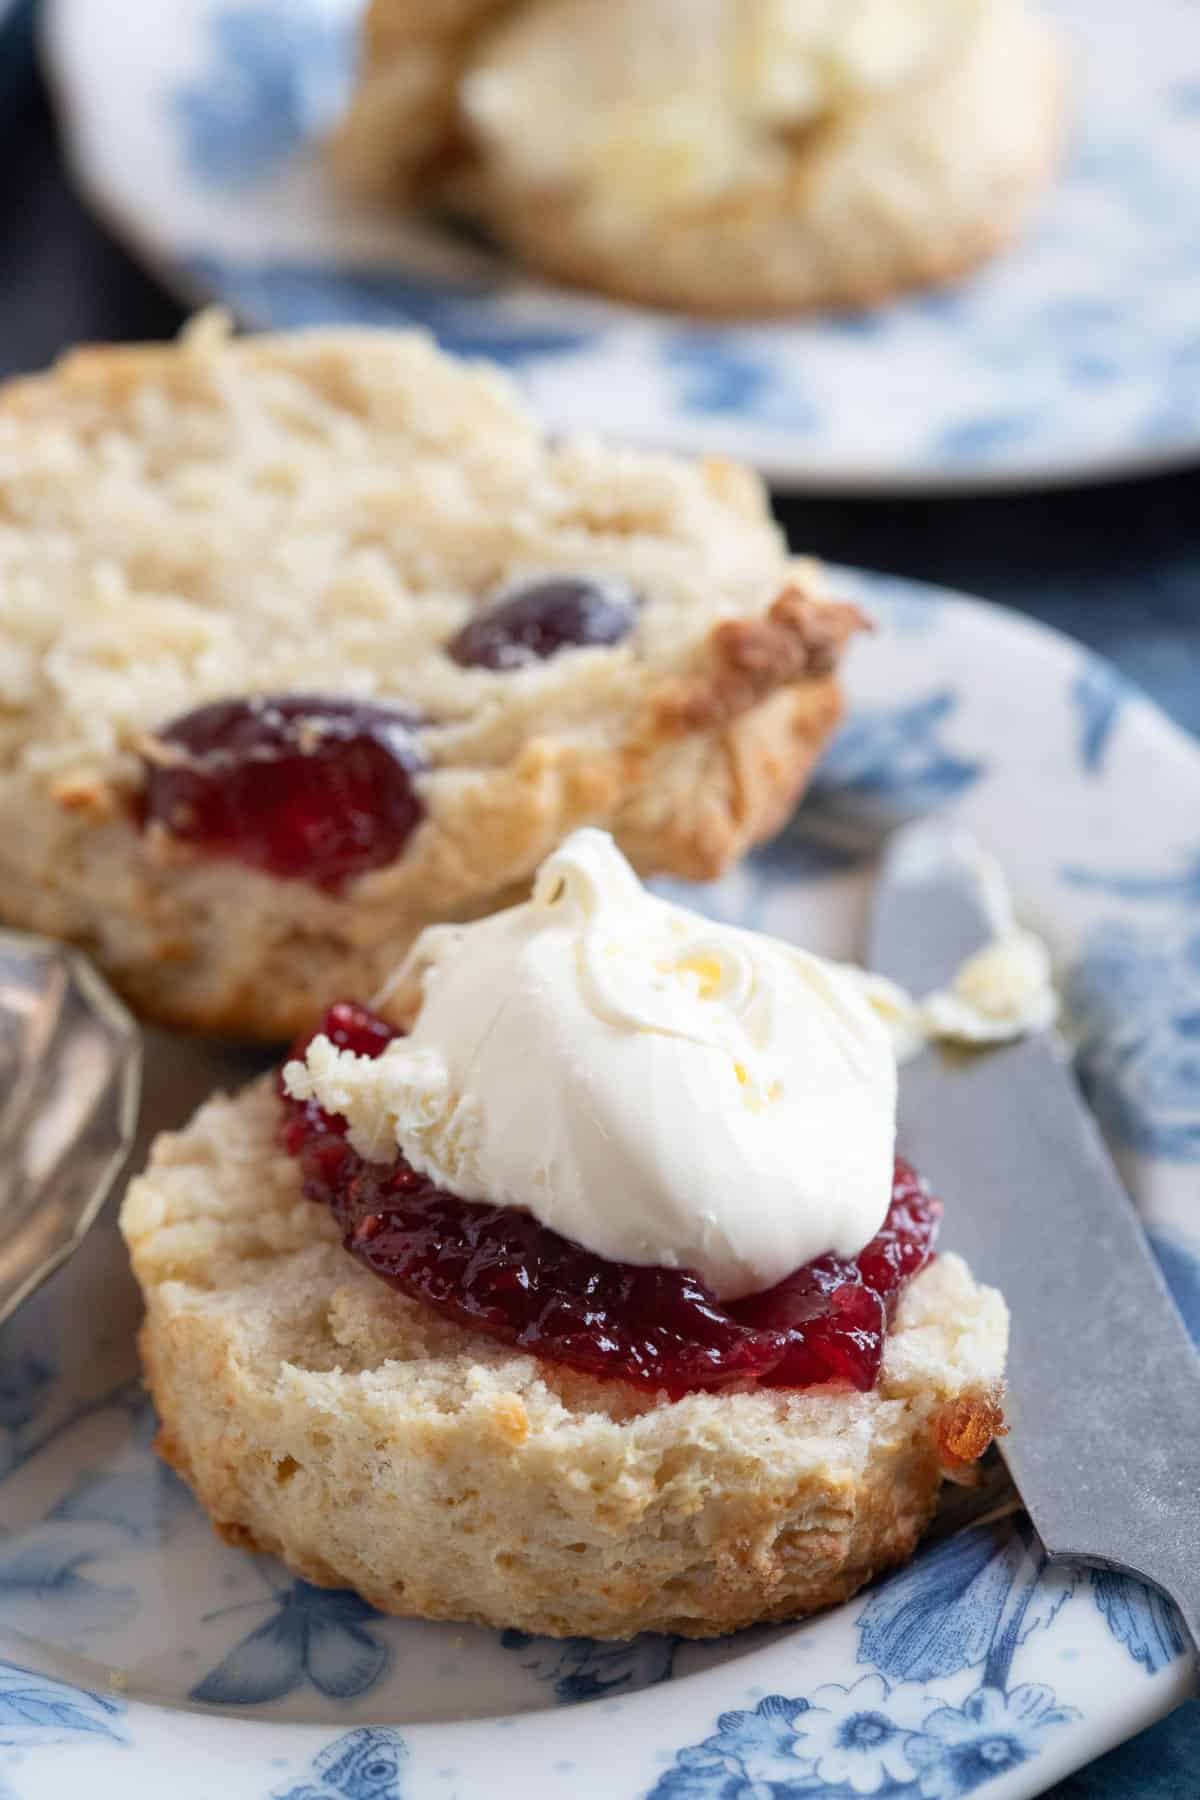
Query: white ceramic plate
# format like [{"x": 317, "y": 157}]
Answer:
[
  {"x": 144, "y": 1658},
  {"x": 196, "y": 129}
]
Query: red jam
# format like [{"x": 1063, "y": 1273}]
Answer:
[
  {"x": 303, "y": 786},
  {"x": 497, "y": 1269}
]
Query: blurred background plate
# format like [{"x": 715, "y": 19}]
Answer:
[
  {"x": 196, "y": 129},
  {"x": 16, "y": 48}
]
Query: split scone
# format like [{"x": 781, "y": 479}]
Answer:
[
  {"x": 597, "y": 1303},
  {"x": 308, "y": 641},
  {"x": 718, "y": 156}
]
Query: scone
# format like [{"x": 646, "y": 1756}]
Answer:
[
  {"x": 725, "y": 156},
  {"x": 403, "y": 125},
  {"x": 308, "y": 641},
  {"x": 479, "y": 1376}
]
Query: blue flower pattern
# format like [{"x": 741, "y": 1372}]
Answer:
[
  {"x": 889, "y": 764},
  {"x": 968, "y": 1604},
  {"x": 38, "y": 1709},
  {"x": 1133, "y": 1004},
  {"x": 313, "y": 1635},
  {"x": 581, "y": 1669},
  {"x": 363, "y": 1765},
  {"x": 1098, "y": 694},
  {"x": 991, "y": 1734},
  {"x": 1140, "y": 1618},
  {"x": 146, "y": 1505},
  {"x": 1180, "y": 884},
  {"x": 470, "y": 318},
  {"x": 48, "y": 1570},
  {"x": 278, "y": 75},
  {"x": 721, "y": 374}
]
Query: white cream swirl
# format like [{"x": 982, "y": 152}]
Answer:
[{"x": 662, "y": 1089}]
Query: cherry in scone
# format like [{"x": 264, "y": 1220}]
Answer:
[
  {"x": 533, "y": 622},
  {"x": 313, "y": 787},
  {"x": 497, "y": 1269}
]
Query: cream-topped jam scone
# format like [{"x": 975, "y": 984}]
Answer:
[
  {"x": 307, "y": 642},
  {"x": 583, "y": 1292},
  {"x": 735, "y": 155}
]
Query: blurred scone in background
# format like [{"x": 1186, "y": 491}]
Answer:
[{"x": 717, "y": 156}]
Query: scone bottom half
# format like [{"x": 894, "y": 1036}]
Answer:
[
  {"x": 391, "y": 1435},
  {"x": 325, "y": 641}
]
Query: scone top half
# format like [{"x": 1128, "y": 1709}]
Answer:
[{"x": 323, "y": 514}]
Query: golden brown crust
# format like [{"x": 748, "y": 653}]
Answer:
[
  {"x": 798, "y": 638},
  {"x": 197, "y": 475},
  {"x": 726, "y": 296},
  {"x": 967, "y": 1426},
  {"x": 371, "y": 1443}
]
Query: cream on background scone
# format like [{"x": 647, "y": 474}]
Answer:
[
  {"x": 309, "y": 641},
  {"x": 730, "y": 156},
  {"x": 459, "y": 1359}
]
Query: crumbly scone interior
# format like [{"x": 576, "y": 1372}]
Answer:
[{"x": 324, "y": 512}]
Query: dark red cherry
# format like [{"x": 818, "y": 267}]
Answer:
[
  {"x": 301, "y": 785},
  {"x": 530, "y": 623}
]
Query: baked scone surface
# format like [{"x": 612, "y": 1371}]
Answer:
[
  {"x": 371, "y": 1443},
  {"x": 721, "y": 155},
  {"x": 321, "y": 513}
]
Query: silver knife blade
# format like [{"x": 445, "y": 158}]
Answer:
[{"x": 1103, "y": 1382}]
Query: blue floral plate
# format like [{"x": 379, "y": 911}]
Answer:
[
  {"x": 196, "y": 128},
  {"x": 140, "y": 1656}
]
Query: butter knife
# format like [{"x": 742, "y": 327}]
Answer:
[{"x": 1104, "y": 1382}]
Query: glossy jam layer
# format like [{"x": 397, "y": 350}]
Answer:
[
  {"x": 497, "y": 1269},
  {"x": 303, "y": 786}
]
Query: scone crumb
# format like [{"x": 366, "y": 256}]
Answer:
[
  {"x": 510, "y": 1419},
  {"x": 800, "y": 637},
  {"x": 966, "y": 1427},
  {"x": 85, "y": 793}
]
